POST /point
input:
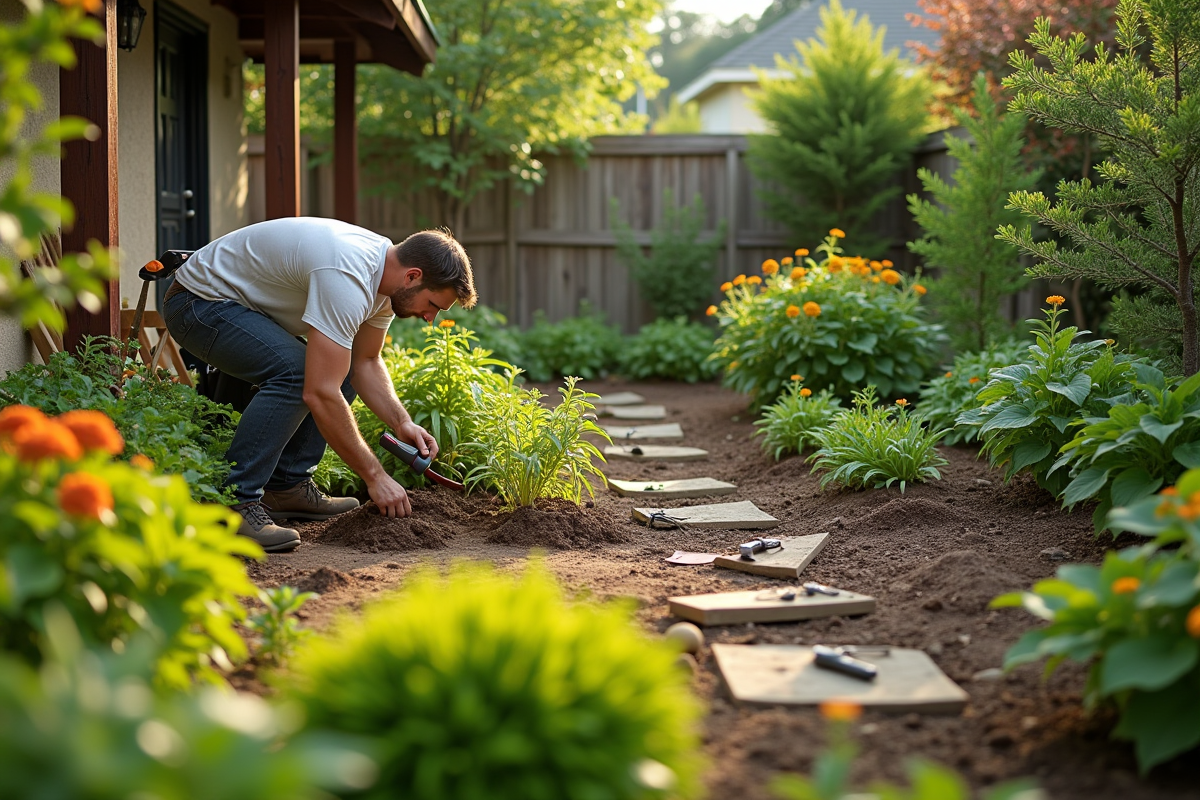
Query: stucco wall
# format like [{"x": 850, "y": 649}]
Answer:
[{"x": 726, "y": 109}]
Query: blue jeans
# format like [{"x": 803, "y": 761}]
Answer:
[{"x": 277, "y": 444}]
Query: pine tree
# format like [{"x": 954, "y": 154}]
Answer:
[
  {"x": 844, "y": 121},
  {"x": 976, "y": 269},
  {"x": 1140, "y": 226}
]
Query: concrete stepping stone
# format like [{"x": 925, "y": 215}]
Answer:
[
  {"x": 732, "y": 516},
  {"x": 634, "y": 412},
  {"x": 655, "y": 452},
  {"x": 785, "y": 562},
  {"x": 670, "y": 430},
  {"x": 781, "y": 674},
  {"x": 734, "y": 608},
  {"x": 619, "y": 399},
  {"x": 688, "y": 487}
]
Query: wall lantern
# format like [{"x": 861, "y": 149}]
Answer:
[{"x": 130, "y": 16}]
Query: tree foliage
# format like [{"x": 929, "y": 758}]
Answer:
[
  {"x": 977, "y": 271},
  {"x": 843, "y": 121},
  {"x": 1139, "y": 227}
]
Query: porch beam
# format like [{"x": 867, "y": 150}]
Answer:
[
  {"x": 281, "y": 57},
  {"x": 345, "y": 133},
  {"x": 89, "y": 168}
]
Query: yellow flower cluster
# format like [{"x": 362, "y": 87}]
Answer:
[{"x": 770, "y": 266}]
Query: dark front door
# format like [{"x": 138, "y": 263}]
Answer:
[{"x": 181, "y": 135}]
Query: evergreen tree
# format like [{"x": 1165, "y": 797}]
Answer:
[
  {"x": 977, "y": 270},
  {"x": 844, "y": 120},
  {"x": 1140, "y": 226}
]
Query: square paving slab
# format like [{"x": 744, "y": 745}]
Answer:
[
  {"x": 670, "y": 430},
  {"x": 619, "y": 399},
  {"x": 655, "y": 452},
  {"x": 785, "y": 562},
  {"x": 688, "y": 487},
  {"x": 771, "y": 674},
  {"x": 732, "y": 608},
  {"x": 734, "y": 516},
  {"x": 635, "y": 412}
]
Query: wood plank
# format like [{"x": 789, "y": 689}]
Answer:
[
  {"x": 733, "y": 608},
  {"x": 670, "y": 430},
  {"x": 633, "y": 412},
  {"x": 723, "y": 516},
  {"x": 688, "y": 487},
  {"x": 345, "y": 132},
  {"x": 786, "y": 562},
  {"x": 770, "y": 675},
  {"x": 282, "y": 142},
  {"x": 653, "y": 452},
  {"x": 620, "y": 399}
]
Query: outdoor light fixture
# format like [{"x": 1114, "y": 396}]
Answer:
[{"x": 130, "y": 16}]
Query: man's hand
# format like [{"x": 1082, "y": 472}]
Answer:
[
  {"x": 419, "y": 438},
  {"x": 390, "y": 497}
]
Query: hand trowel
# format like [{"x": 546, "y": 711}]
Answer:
[{"x": 413, "y": 458}]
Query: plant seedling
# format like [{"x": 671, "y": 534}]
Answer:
[{"x": 277, "y": 624}]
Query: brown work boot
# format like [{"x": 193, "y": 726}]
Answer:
[
  {"x": 305, "y": 501},
  {"x": 258, "y": 525}
]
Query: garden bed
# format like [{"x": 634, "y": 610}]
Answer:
[{"x": 933, "y": 556}]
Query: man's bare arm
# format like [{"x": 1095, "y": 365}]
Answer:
[{"x": 371, "y": 380}]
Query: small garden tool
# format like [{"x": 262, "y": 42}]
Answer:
[
  {"x": 413, "y": 458},
  {"x": 160, "y": 268}
]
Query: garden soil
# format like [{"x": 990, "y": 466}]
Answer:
[{"x": 934, "y": 556}]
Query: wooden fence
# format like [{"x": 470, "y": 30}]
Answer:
[{"x": 555, "y": 248}]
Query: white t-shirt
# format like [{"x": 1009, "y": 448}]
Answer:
[{"x": 299, "y": 271}]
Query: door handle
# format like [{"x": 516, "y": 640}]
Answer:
[{"x": 188, "y": 213}]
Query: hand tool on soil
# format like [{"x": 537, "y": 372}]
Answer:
[
  {"x": 155, "y": 270},
  {"x": 812, "y": 588},
  {"x": 837, "y": 659},
  {"x": 413, "y": 458},
  {"x": 748, "y": 549}
]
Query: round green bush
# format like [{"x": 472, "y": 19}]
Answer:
[
  {"x": 674, "y": 349},
  {"x": 488, "y": 686}
]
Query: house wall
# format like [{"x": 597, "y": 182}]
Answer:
[{"x": 727, "y": 109}]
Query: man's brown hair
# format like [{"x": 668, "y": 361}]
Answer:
[{"x": 443, "y": 263}]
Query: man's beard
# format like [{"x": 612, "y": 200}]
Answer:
[{"x": 402, "y": 301}]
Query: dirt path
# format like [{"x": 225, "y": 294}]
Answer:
[{"x": 933, "y": 557}]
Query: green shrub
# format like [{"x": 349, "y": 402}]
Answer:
[
  {"x": 490, "y": 327},
  {"x": 122, "y": 550},
  {"x": 876, "y": 446},
  {"x": 528, "y": 452},
  {"x": 945, "y": 398},
  {"x": 1135, "y": 620},
  {"x": 181, "y": 431},
  {"x": 277, "y": 626},
  {"x": 482, "y": 685},
  {"x": 794, "y": 420},
  {"x": 842, "y": 323},
  {"x": 674, "y": 349},
  {"x": 1029, "y": 407},
  {"x": 675, "y": 278},
  {"x": 1127, "y": 455},
  {"x": 583, "y": 346}
]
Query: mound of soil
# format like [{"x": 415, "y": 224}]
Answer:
[
  {"x": 560, "y": 524},
  {"x": 365, "y": 528},
  {"x": 963, "y": 579},
  {"x": 324, "y": 580},
  {"x": 907, "y": 513}
]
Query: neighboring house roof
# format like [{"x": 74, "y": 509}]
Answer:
[{"x": 738, "y": 65}]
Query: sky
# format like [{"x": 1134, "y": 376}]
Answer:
[{"x": 724, "y": 10}]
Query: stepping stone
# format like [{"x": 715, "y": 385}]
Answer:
[
  {"x": 785, "y": 562},
  {"x": 725, "y": 516},
  {"x": 773, "y": 674},
  {"x": 655, "y": 452},
  {"x": 689, "y": 487},
  {"x": 619, "y": 399},
  {"x": 690, "y": 559},
  {"x": 733, "y": 608},
  {"x": 635, "y": 412},
  {"x": 671, "y": 430}
]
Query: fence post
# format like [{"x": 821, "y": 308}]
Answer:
[{"x": 731, "y": 221}]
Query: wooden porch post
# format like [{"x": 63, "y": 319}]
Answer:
[
  {"x": 281, "y": 57},
  {"x": 345, "y": 133},
  {"x": 89, "y": 169}
]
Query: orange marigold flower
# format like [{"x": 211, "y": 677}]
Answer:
[
  {"x": 797, "y": 377},
  {"x": 792, "y": 311},
  {"x": 13, "y": 418},
  {"x": 1056, "y": 299},
  {"x": 91, "y": 7},
  {"x": 949, "y": 374},
  {"x": 803, "y": 251},
  {"x": 1193, "y": 622},
  {"x": 805, "y": 392},
  {"x": 837, "y": 233},
  {"x": 786, "y": 261},
  {"x": 840, "y": 710},
  {"x": 798, "y": 273},
  {"x": 886, "y": 263},
  {"x": 739, "y": 280},
  {"x": 726, "y": 286},
  {"x": 919, "y": 289},
  {"x": 890, "y": 276},
  {"x": 1189, "y": 512},
  {"x": 770, "y": 266},
  {"x": 1170, "y": 490},
  {"x": 875, "y": 279},
  {"x": 754, "y": 280},
  {"x": 1164, "y": 508},
  {"x": 973, "y": 380},
  {"x": 811, "y": 309},
  {"x": 875, "y": 264},
  {"x": 708, "y": 312},
  {"x": 836, "y": 263},
  {"x": 1126, "y": 585},
  {"x": 47, "y": 439},
  {"x": 902, "y": 402},
  {"x": 94, "y": 430},
  {"x": 446, "y": 323},
  {"x": 84, "y": 495},
  {"x": 142, "y": 462}
]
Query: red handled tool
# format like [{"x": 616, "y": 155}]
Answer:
[{"x": 411, "y": 456}]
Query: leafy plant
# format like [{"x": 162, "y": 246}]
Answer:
[
  {"x": 876, "y": 446},
  {"x": 277, "y": 625},
  {"x": 947, "y": 396},
  {"x": 482, "y": 685},
  {"x": 795, "y": 419},
  {"x": 1126, "y": 456},
  {"x": 674, "y": 349},
  {"x": 675, "y": 277},
  {"x": 121, "y": 550},
  {"x": 843, "y": 117},
  {"x": 1028, "y": 407},
  {"x": 976, "y": 271},
  {"x": 839, "y": 322},
  {"x": 583, "y": 346},
  {"x": 490, "y": 327},
  {"x": 528, "y": 452}
]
